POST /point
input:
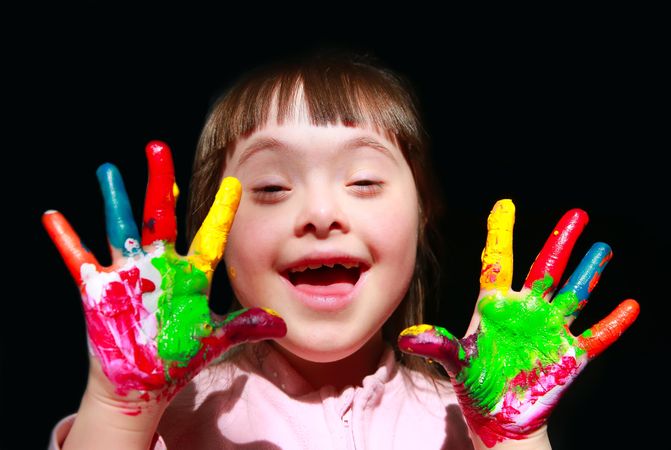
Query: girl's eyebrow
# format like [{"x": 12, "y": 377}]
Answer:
[
  {"x": 260, "y": 144},
  {"x": 269, "y": 143}
]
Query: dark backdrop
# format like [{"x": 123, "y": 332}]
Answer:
[{"x": 550, "y": 122}]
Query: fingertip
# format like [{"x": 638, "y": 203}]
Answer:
[
  {"x": 505, "y": 205},
  {"x": 502, "y": 216},
  {"x": 601, "y": 247},
  {"x": 578, "y": 216},
  {"x": 159, "y": 158},
  {"x": 49, "y": 218},
  {"x": 155, "y": 147},
  {"x": 229, "y": 193},
  {"x": 631, "y": 308},
  {"x": 105, "y": 170},
  {"x": 231, "y": 184},
  {"x": 604, "y": 252}
]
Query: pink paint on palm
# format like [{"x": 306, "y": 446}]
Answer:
[
  {"x": 532, "y": 394},
  {"x": 122, "y": 328},
  {"x": 527, "y": 403}
]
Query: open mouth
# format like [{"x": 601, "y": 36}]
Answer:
[{"x": 324, "y": 275}]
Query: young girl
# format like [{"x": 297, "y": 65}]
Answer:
[{"x": 322, "y": 164}]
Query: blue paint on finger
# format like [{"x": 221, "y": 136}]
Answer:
[
  {"x": 586, "y": 276},
  {"x": 122, "y": 230}
]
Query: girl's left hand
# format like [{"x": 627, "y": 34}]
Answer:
[{"x": 518, "y": 355}]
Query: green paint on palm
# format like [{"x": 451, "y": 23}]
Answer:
[
  {"x": 183, "y": 312},
  {"x": 442, "y": 331},
  {"x": 515, "y": 336}
]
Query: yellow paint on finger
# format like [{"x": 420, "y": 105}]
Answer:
[
  {"x": 416, "y": 330},
  {"x": 175, "y": 191},
  {"x": 497, "y": 256},
  {"x": 207, "y": 247},
  {"x": 272, "y": 312}
]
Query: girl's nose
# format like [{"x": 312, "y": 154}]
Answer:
[{"x": 321, "y": 214}]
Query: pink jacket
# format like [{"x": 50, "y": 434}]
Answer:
[{"x": 256, "y": 400}]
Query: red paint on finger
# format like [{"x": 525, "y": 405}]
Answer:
[
  {"x": 555, "y": 254},
  {"x": 159, "y": 209},
  {"x": 603, "y": 334},
  {"x": 593, "y": 282}
]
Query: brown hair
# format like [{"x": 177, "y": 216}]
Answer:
[{"x": 338, "y": 86}]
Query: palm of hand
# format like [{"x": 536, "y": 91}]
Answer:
[
  {"x": 147, "y": 315},
  {"x": 518, "y": 354},
  {"x": 523, "y": 357},
  {"x": 147, "y": 318}
]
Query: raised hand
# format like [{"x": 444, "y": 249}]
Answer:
[
  {"x": 518, "y": 354},
  {"x": 147, "y": 315}
]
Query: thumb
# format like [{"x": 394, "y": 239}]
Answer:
[
  {"x": 250, "y": 325},
  {"x": 436, "y": 343}
]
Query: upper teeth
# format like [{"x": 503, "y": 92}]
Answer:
[{"x": 317, "y": 266}]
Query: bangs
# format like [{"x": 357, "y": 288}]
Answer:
[{"x": 327, "y": 93}]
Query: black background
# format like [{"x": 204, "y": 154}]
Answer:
[{"x": 553, "y": 120}]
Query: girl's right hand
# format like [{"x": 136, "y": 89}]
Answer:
[{"x": 148, "y": 322}]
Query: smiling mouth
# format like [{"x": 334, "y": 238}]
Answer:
[{"x": 324, "y": 275}]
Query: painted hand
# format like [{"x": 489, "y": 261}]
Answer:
[
  {"x": 518, "y": 354},
  {"x": 147, "y": 315}
]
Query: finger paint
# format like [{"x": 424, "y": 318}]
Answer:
[
  {"x": 435, "y": 343},
  {"x": 210, "y": 240},
  {"x": 121, "y": 325},
  {"x": 599, "y": 337},
  {"x": 555, "y": 254},
  {"x": 122, "y": 231},
  {"x": 497, "y": 256},
  {"x": 183, "y": 312},
  {"x": 159, "y": 221},
  {"x": 500, "y": 357},
  {"x": 585, "y": 277},
  {"x": 71, "y": 248}
]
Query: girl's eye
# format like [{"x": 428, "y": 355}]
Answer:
[
  {"x": 367, "y": 188},
  {"x": 270, "y": 193}
]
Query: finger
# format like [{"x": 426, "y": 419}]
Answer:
[
  {"x": 550, "y": 263},
  {"x": 208, "y": 245},
  {"x": 245, "y": 325},
  {"x": 122, "y": 233},
  {"x": 572, "y": 298},
  {"x": 497, "y": 257},
  {"x": 603, "y": 334},
  {"x": 68, "y": 244},
  {"x": 159, "y": 222},
  {"x": 435, "y": 343},
  {"x": 251, "y": 325}
]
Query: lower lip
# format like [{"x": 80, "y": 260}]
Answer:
[{"x": 331, "y": 298}]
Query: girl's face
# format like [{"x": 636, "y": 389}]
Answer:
[{"x": 325, "y": 234}]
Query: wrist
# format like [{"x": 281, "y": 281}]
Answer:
[
  {"x": 103, "y": 424},
  {"x": 107, "y": 420},
  {"x": 538, "y": 440}
]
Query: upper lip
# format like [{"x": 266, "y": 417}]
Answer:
[{"x": 325, "y": 258}]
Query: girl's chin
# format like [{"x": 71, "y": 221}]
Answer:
[{"x": 317, "y": 351}]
